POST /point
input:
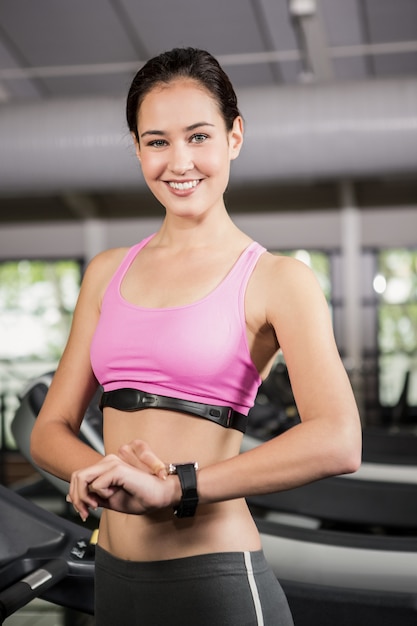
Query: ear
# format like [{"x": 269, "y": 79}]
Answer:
[
  {"x": 137, "y": 147},
  {"x": 236, "y": 138}
]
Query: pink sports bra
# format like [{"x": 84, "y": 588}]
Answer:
[{"x": 196, "y": 352}]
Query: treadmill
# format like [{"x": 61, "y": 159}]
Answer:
[
  {"x": 330, "y": 575},
  {"x": 43, "y": 555}
]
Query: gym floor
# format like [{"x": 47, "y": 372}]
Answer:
[
  {"x": 37, "y": 613},
  {"x": 42, "y": 613}
]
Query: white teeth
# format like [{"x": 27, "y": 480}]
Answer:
[{"x": 181, "y": 186}]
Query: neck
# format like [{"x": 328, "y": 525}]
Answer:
[{"x": 206, "y": 231}]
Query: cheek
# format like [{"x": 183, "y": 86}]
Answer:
[
  {"x": 216, "y": 159},
  {"x": 151, "y": 165}
]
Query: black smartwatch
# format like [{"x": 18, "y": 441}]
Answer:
[{"x": 188, "y": 480}]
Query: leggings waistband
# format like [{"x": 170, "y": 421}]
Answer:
[{"x": 199, "y": 565}]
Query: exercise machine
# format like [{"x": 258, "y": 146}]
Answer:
[
  {"x": 42, "y": 555},
  {"x": 330, "y": 575}
]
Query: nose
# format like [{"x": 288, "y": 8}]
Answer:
[{"x": 180, "y": 161}]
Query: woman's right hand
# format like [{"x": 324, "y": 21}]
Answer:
[
  {"x": 115, "y": 484},
  {"x": 140, "y": 455}
]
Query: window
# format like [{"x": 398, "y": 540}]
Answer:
[
  {"x": 396, "y": 284},
  {"x": 37, "y": 300}
]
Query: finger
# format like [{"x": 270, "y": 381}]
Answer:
[
  {"x": 102, "y": 492},
  {"x": 151, "y": 460},
  {"x": 131, "y": 453},
  {"x": 82, "y": 496},
  {"x": 73, "y": 499},
  {"x": 69, "y": 500},
  {"x": 83, "y": 515},
  {"x": 79, "y": 493},
  {"x": 140, "y": 451},
  {"x": 158, "y": 467}
]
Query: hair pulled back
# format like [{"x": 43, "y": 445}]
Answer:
[{"x": 192, "y": 63}]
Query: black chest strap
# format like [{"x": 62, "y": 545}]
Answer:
[{"x": 128, "y": 399}]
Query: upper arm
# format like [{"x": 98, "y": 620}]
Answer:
[
  {"x": 74, "y": 382},
  {"x": 299, "y": 314}
]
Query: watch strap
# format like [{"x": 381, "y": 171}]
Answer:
[{"x": 188, "y": 481}]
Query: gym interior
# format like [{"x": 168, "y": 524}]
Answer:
[{"x": 328, "y": 174}]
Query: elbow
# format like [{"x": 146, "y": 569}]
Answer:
[
  {"x": 343, "y": 449},
  {"x": 351, "y": 463},
  {"x": 348, "y": 456},
  {"x": 342, "y": 462},
  {"x": 35, "y": 447}
]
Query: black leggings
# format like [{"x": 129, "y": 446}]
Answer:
[{"x": 226, "y": 589}]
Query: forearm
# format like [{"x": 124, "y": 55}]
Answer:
[
  {"x": 312, "y": 450},
  {"x": 305, "y": 453},
  {"x": 58, "y": 450},
  {"x": 131, "y": 481}
]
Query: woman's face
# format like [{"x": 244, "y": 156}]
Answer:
[{"x": 184, "y": 147}]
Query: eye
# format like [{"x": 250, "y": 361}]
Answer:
[
  {"x": 157, "y": 143},
  {"x": 198, "y": 138}
]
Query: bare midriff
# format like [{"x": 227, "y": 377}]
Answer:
[{"x": 176, "y": 438}]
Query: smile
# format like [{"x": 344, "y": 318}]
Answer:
[{"x": 189, "y": 184}]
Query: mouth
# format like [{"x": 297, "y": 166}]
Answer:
[{"x": 183, "y": 186}]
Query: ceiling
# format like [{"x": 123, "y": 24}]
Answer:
[{"x": 82, "y": 49}]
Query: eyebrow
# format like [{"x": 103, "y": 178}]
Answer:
[{"x": 187, "y": 129}]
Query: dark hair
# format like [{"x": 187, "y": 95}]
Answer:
[{"x": 193, "y": 63}]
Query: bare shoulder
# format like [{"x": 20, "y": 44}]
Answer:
[
  {"x": 95, "y": 281},
  {"x": 290, "y": 289},
  {"x": 283, "y": 266},
  {"x": 286, "y": 273},
  {"x": 106, "y": 261},
  {"x": 101, "y": 268}
]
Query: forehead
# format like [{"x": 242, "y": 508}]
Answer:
[{"x": 177, "y": 102}]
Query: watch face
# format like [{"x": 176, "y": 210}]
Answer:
[{"x": 172, "y": 467}]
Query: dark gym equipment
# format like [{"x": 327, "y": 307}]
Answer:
[
  {"x": 331, "y": 574},
  {"x": 42, "y": 555}
]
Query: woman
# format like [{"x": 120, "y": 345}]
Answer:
[{"x": 180, "y": 330}]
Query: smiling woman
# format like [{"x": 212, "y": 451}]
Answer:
[
  {"x": 180, "y": 329},
  {"x": 182, "y": 160}
]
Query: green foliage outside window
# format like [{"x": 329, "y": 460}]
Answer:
[
  {"x": 397, "y": 323},
  {"x": 37, "y": 300}
]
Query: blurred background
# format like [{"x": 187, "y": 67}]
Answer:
[{"x": 328, "y": 91}]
